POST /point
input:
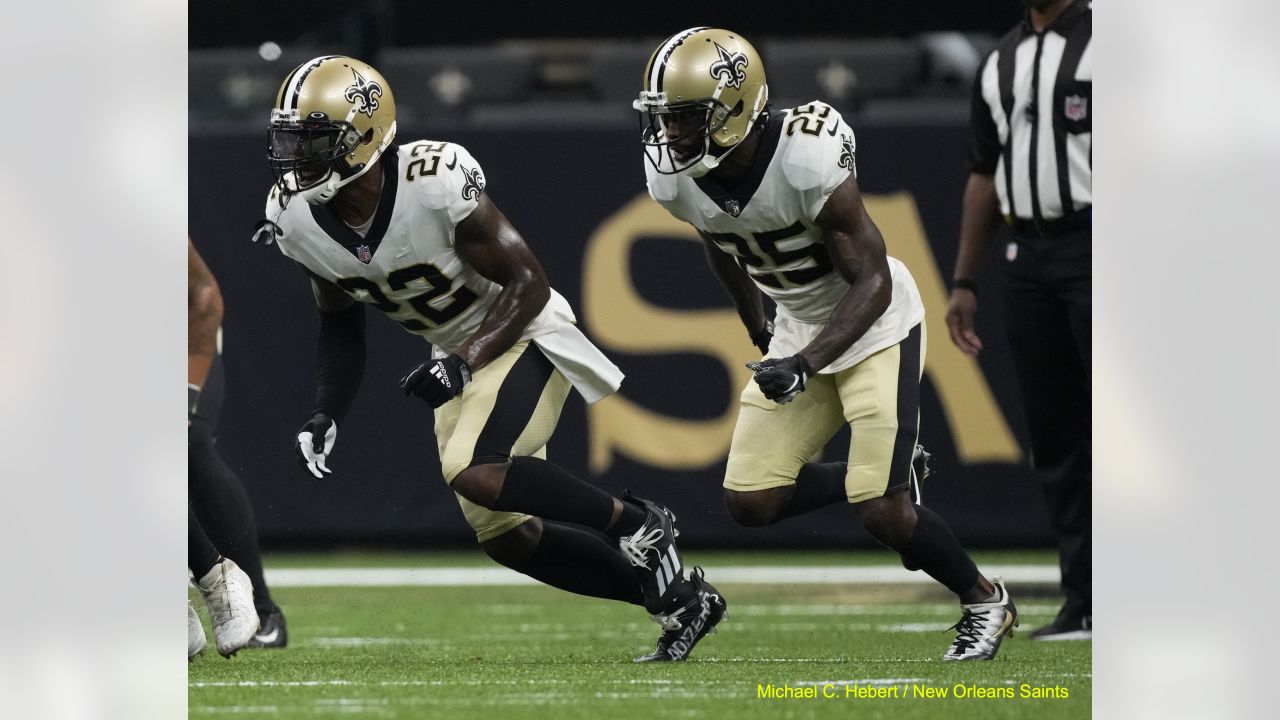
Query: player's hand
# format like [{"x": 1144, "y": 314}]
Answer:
[
  {"x": 315, "y": 442},
  {"x": 762, "y": 337},
  {"x": 437, "y": 381},
  {"x": 781, "y": 380},
  {"x": 961, "y": 310}
]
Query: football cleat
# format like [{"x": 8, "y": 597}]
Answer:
[
  {"x": 195, "y": 633},
  {"x": 1068, "y": 625},
  {"x": 652, "y": 550},
  {"x": 983, "y": 627},
  {"x": 686, "y": 626},
  {"x": 229, "y": 595},
  {"x": 272, "y": 633}
]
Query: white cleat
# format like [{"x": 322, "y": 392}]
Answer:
[
  {"x": 983, "y": 626},
  {"x": 229, "y": 594},
  {"x": 195, "y": 633}
]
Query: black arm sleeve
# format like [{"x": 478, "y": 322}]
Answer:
[
  {"x": 339, "y": 360},
  {"x": 984, "y": 149}
]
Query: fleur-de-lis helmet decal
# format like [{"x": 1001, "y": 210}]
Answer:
[
  {"x": 731, "y": 67},
  {"x": 363, "y": 94}
]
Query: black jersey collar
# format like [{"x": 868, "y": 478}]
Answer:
[
  {"x": 326, "y": 216},
  {"x": 733, "y": 200}
]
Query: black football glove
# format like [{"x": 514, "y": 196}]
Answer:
[
  {"x": 781, "y": 379},
  {"x": 762, "y": 337},
  {"x": 437, "y": 381},
  {"x": 315, "y": 442}
]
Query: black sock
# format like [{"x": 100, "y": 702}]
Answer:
[
  {"x": 222, "y": 505},
  {"x": 582, "y": 561},
  {"x": 817, "y": 485},
  {"x": 629, "y": 520},
  {"x": 934, "y": 549},
  {"x": 201, "y": 554},
  {"x": 537, "y": 487}
]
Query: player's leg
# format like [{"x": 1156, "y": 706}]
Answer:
[
  {"x": 219, "y": 499},
  {"x": 226, "y": 589},
  {"x": 202, "y": 554},
  {"x": 881, "y": 401},
  {"x": 769, "y": 475},
  {"x": 490, "y": 439}
]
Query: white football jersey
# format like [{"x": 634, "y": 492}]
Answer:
[
  {"x": 406, "y": 264},
  {"x": 767, "y": 223}
]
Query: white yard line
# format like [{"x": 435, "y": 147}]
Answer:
[{"x": 731, "y": 574}]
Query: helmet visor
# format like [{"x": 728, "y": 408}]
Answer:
[
  {"x": 307, "y": 151},
  {"x": 677, "y": 136}
]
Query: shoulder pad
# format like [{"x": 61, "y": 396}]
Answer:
[
  {"x": 817, "y": 146},
  {"x": 443, "y": 175}
]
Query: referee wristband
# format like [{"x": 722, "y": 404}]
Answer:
[{"x": 963, "y": 284}]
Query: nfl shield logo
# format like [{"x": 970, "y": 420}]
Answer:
[
  {"x": 1075, "y": 107},
  {"x": 363, "y": 254},
  {"x": 732, "y": 207}
]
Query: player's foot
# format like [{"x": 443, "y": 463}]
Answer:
[
  {"x": 652, "y": 550},
  {"x": 229, "y": 594},
  {"x": 683, "y": 629},
  {"x": 195, "y": 633},
  {"x": 983, "y": 626},
  {"x": 272, "y": 633},
  {"x": 1070, "y": 624},
  {"x": 921, "y": 469}
]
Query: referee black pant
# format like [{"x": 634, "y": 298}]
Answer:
[{"x": 1049, "y": 317}]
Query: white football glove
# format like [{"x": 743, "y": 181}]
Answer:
[{"x": 315, "y": 442}]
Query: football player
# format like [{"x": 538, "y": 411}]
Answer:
[
  {"x": 217, "y": 495},
  {"x": 410, "y": 230},
  {"x": 226, "y": 588},
  {"x": 774, "y": 196}
]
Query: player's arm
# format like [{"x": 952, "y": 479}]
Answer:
[
  {"x": 743, "y": 291},
  {"x": 857, "y": 252},
  {"x": 487, "y": 242},
  {"x": 204, "y": 315},
  {"x": 340, "y": 356}
]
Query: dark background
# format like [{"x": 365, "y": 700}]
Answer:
[{"x": 250, "y": 22}]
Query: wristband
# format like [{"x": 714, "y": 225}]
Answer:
[{"x": 965, "y": 284}]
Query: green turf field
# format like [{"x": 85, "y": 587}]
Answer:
[{"x": 534, "y": 652}]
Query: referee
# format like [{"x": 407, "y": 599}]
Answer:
[{"x": 1032, "y": 163}]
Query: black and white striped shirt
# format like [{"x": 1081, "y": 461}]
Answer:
[{"x": 1032, "y": 118}]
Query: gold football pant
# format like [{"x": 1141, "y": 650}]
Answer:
[
  {"x": 880, "y": 400},
  {"x": 509, "y": 409}
]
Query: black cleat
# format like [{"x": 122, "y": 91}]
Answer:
[
  {"x": 1070, "y": 624},
  {"x": 684, "y": 628},
  {"x": 652, "y": 550},
  {"x": 272, "y": 633}
]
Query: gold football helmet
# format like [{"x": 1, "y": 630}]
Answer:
[
  {"x": 333, "y": 118},
  {"x": 707, "y": 79}
]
